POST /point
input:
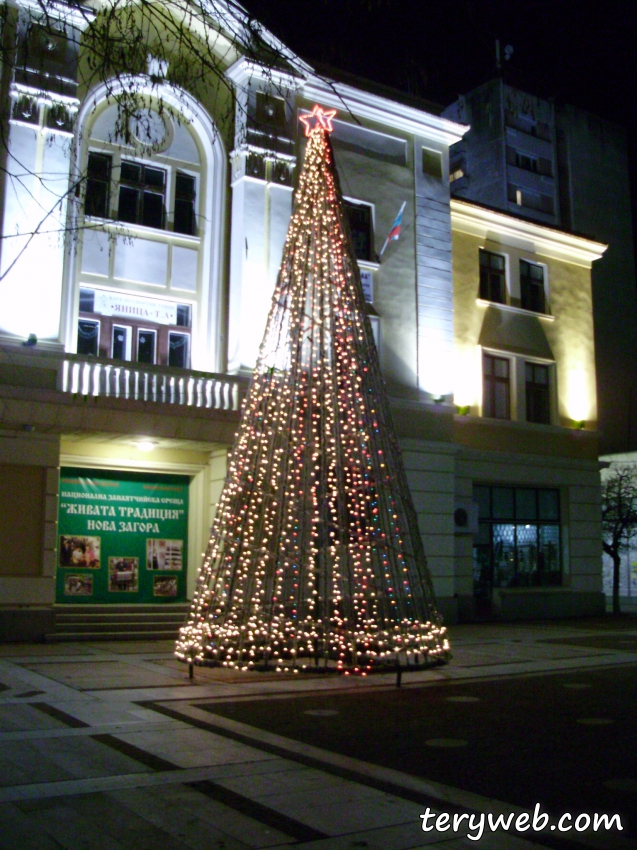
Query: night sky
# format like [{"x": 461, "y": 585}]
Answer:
[{"x": 575, "y": 52}]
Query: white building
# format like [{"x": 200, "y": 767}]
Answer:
[{"x": 136, "y": 276}]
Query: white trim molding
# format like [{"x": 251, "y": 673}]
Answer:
[
  {"x": 540, "y": 239},
  {"x": 390, "y": 113}
]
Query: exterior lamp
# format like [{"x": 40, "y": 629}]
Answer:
[{"x": 146, "y": 445}]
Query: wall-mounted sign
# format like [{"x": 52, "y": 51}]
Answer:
[
  {"x": 128, "y": 306},
  {"x": 123, "y": 537},
  {"x": 367, "y": 279}
]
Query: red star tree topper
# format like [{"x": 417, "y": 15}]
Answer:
[{"x": 315, "y": 556}]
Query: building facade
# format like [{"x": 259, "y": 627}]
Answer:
[
  {"x": 137, "y": 270},
  {"x": 562, "y": 166}
]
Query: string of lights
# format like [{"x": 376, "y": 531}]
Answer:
[{"x": 315, "y": 559}]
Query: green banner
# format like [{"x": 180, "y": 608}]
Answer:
[{"x": 122, "y": 537}]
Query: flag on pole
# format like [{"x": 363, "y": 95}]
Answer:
[{"x": 394, "y": 233}]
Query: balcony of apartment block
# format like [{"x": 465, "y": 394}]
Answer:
[
  {"x": 536, "y": 145},
  {"x": 56, "y": 392}
]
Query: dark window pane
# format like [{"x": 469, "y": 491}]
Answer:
[
  {"x": 502, "y": 502},
  {"x": 153, "y": 214},
  {"x": 185, "y": 187},
  {"x": 131, "y": 172},
  {"x": 154, "y": 177},
  {"x": 492, "y": 277},
  {"x": 146, "y": 346},
  {"x": 99, "y": 166},
  {"x": 87, "y": 301},
  {"x": 549, "y": 504},
  {"x": 178, "y": 354},
  {"x": 184, "y": 221},
  {"x": 360, "y": 223},
  {"x": 482, "y": 495},
  {"x": 128, "y": 201},
  {"x": 88, "y": 334},
  {"x": 183, "y": 315},
  {"x": 525, "y": 504},
  {"x": 98, "y": 185}
]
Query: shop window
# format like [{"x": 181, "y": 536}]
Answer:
[
  {"x": 532, "y": 287},
  {"x": 496, "y": 387},
  {"x": 361, "y": 227},
  {"x": 164, "y": 342},
  {"x": 141, "y": 194},
  {"x": 121, "y": 342},
  {"x": 88, "y": 334},
  {"x": 518, "y": 542},
  {"x": 146, "y": 346},
  {"x": 178, "y": 350},
  {"x": 538, "y": 402},
  {"x": 492, "y": 277}
]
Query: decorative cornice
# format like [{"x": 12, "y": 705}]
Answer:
[
  {"x": 546, "y": 241},
  {"x": 75, "y": 15},
  {"x": 244, "y": 70},
  {"x": 381, "y": 110}
]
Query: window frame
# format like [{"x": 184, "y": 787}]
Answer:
[
  {"x": 534, "y": 390},
  {"x": 491, "y": 577},
  {"x": 528, "y": 286},
  {"x": 363, "y": 206},
  {"x": 492, "y": 381},
  {"x": 485, "y": 278}
]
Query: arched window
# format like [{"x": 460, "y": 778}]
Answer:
[{"x": 145, "y": 284}]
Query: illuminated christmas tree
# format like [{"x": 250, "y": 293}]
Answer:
[{"x": 315, "y": 556}]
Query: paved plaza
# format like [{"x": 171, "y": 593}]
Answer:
[{"x": 109, "y": 746}]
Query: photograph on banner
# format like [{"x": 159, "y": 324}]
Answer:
[
  {"x": 78, "y": 584},
  {"x": 164, "y": 554},
  {"x": 165, "y": 585},
  {"x": 123, "y": 574},
  {"x": 80, "y": 551}
]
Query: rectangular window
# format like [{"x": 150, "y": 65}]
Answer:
[
  {"x": 141, "y": 194},
  {"x": 496, "y": 390},
  {"x": 184, "y": 220},
  {"x": 121, "y": 346},
  {"x": 88, "y": 337},
  {"x": 146, "y": 346},
  {"x": 525, "y": 161},
  {"x": 87, "y": 300},
  {"x": 518, "y": 541},
  {"x": 492, "y": 277},
  {"x": 532, "y": 287},
  {"x": 538, "y": 400},
  {"x": 98, "y": 185},
  {"x": 360, "y": 223},
  {"x": 178, "y": 350}
]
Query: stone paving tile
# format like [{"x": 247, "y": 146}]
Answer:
[
  {"x": 22, "y": 716},
  {"x": 121, "y": 823},
  {"x": 300, "y": 780},
  {"x": 66, "y": 826},
  {"x": 189, "y": 747},
  {"x": 101, "y": 674},
  {"x": 179, "y": 822},
  {"x": 345, "y": 817},
  {"x": 19, "y": 831},
  {"x": 53, "y": 760}
]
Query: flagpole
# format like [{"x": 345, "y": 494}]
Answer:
[{"x": 397, "y": 223}]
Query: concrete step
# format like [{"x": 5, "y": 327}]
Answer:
[
  {"x": 62, "y": 637},
  {"x": 118, "y": 622}
]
